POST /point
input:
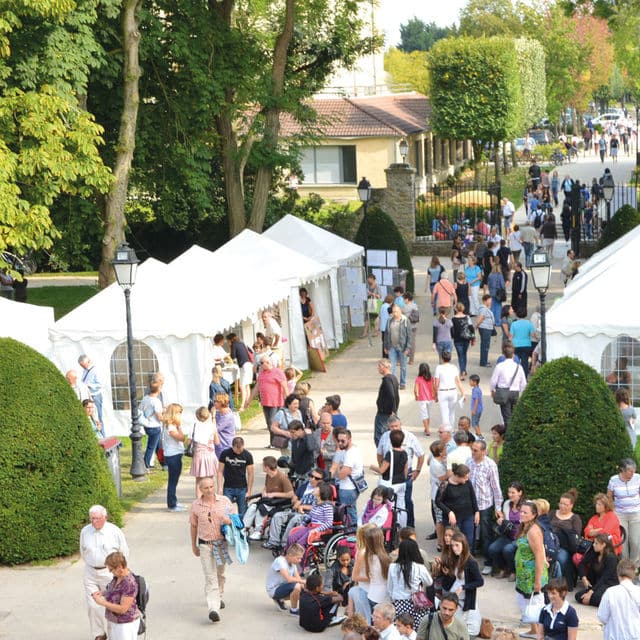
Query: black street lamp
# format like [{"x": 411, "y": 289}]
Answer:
[
  {"x": 541, "y": 274},
  {"x": 125, "y": 265},
  {"x": 364, "y": 193},
  {"x": 404, "y": 150},
  {"x": 637, "y": 147},
  {"x": 608, "y": 188}
]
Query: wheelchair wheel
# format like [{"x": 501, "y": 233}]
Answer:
[{"x": 331, "y": 550}]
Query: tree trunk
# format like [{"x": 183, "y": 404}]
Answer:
[
  {"x": 115, "y": 201},
  {"x": 505, "y": 158},
  {"x": 264, "y": 175},
  {"x": 477, "y": 161}
]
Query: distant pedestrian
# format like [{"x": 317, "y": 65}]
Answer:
[
  {"x": 388, "y": 399},
  {"x": 235, "y": 474},
  {"x": 173, "y": 439},
  {"x": 90, "y": 378}
]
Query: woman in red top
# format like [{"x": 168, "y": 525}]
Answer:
[
  {"x": 424, "y": 394},
  {"x": 604, "y": 521}
]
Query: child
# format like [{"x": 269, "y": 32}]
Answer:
[
  {"x": 173, "y": 445},
  {"x": 205, "y": 438},
  {"x": 317, "y": 609},
  {"x": 476, "y": 402},
  {"x": 355, "y": 623},
  {"x": 337, "y": 579},
  {"x": 320, "y": 517},
  {"x": 424, "y": 394},
  {"x": 284, "y": 581},
  {"x": 404, "y": 624},
  {"x": 292, "y": 375}
]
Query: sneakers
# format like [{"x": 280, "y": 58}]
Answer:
[
  {"x": 294, "y": 612},
  {"x": 486, "y": 571},
  {"x": 337, "y": 620},
  {"x": 402, "y": 387},
  {"x": 178, "y": 508},
  {"x": 280, "y": 604},
  {"x": 214, "y": 616},
  {"x": 221, "y": 604},
  {"x": 255, "y": 535},
  {"x": 432, "y": 536}
]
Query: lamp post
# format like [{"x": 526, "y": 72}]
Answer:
[
  {"x": 125, "y": 265},
  {"x": 637, "y": 147},
  {"x": 404, "y": 150},
  {"x": 364, "y": 193},
  {"x": 541, "y": 274},
  {"x": 608, "y": 188}
]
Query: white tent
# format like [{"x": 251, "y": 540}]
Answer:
[
  {"x": 27, "y": 323},
  {"x": 598, "y": 307},
  {"x": 325, "y": 247}
]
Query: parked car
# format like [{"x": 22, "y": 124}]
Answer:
[
  {"x": 608, "y": 118},
  {"x": 541, "y": 136}
]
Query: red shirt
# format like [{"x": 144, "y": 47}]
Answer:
[{"x": 270, "y": 387}]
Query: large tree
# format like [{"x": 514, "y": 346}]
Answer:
[
  {"x": 48, "y": 141},
  {"x": 417, "y": 35},
  {"x": 408, "y": 69}
]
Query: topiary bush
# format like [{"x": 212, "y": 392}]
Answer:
[
  {"x": 382, "y": 233},
  {"x": 566, "y": 431},
  {"x": 51, "y": 466},
  {"x": 625, "y": 219}
]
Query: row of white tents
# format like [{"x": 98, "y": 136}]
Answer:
[{"x": 178, "y": 307}]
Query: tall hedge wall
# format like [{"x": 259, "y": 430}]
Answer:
[
  {"x": 566, "y": 431},
  {"x": 51, "y": 466}
]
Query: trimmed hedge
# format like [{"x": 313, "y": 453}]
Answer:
[
  {"x": 51, "y": 466},
  {"x": 382, "y": 233},
  {"x": 566, "y": 431},
  {"x": 625, "y": 219}
]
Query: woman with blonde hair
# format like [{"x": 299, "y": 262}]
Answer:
[
  {"x": 119, "y": 599},
  {"x": 370, "y": 572},
  {"x": 173, "y": 439}
]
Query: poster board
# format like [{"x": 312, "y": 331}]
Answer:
[
  {"x": 353, "y": 293},
  {"x": 315, "y": 336},
  {"x": 382, "y": 258}
]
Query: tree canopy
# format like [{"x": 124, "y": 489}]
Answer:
[{"x": 417, "y": 35}]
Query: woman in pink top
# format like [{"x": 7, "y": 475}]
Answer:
[
  {"x": 444, "y": 295},
  {"x": 424, "y": 394}
]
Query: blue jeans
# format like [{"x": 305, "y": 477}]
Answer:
[
  {"x": 485, "y": 343},
  {"x": 486, "y": 532},
  {"x": 445, "y": 345},
  {"x": 153, "y": 442},
  {"x": 380, "y": 426},
  {"x": 396, "y": 355},
  {"x": 174, "y": 465},
  {"x": 567, "y": 567},
  {"x": 502, "y": 553},
  {"x": 529, "y": 248},
  {"x": 523, "y": 353},
  {"x": 408, "y": 501},
  {"x": 461, "y": 349},
  {"x": 468, "y": 528},
  {"x": 496, "y": 309},
  {"x": 239, "y": 496},
  {"x": 349, "y": 497}
]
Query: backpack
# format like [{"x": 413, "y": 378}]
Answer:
[
  {"x": 142, "y": 598},
  {"x": 537, "y": 220},
  {"x": 414, "y": 315},
  {"x": 551, "y": 544}
]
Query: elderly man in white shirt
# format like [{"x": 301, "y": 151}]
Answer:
[
  {"x": 508, "y": 377},
  {"x": 97, "y": 541},
  {"x": 79, "y": 388},
  {"x": 412, "y": 446},
  {"x": 619, "y": 608}
]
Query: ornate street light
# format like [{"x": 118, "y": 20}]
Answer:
[
  {"x": 541, "y": 274},
  {"x": 608, "y": 189},
  {"x": 364, "y": 193},
  {"x": 404, "y": 149}
]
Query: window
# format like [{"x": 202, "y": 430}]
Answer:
[
  {"x": 329, "y": 165},
  {"x": 145, "y": 363},
  {"x": 621, "y": 366}
]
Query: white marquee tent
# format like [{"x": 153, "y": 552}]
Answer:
[
  {"x": 325, "y": 247},
  {"x": 27, "y": 323}
]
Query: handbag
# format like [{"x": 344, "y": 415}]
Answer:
[
  {"x": 502, "y": 395},
  {"x": 420, "y": 600},
  {"x": 188, "y": 450},
  {"x": 372, "y": 305},
  {"x": 532, "y": 611},
  {"x": 501, "y": 295},
  {"x": 360, "y": 483},
  {"x": 279, "y": 441},
  {"x": 486, "y": 629},
  {"x": 583, "y": 545},
  {"x": 467, "y": 332}
]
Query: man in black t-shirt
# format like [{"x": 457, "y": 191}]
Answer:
[
  {"x": 317, "y": 609},
  {"x": 235, "y": 474}
]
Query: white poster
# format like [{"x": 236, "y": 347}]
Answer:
[
  {"x": 392, "y": 259},
  {"x": 387, "y": 277},
  {"x": 376, "y": 258},
  {"x": 378, "y": 275},
  {"x": 357, "y": 316}
]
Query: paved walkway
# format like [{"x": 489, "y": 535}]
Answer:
[{"x": 47, "y": 601}]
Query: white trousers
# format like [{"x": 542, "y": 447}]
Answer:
[
  {"x": 253, "y": 518},
  {"x": 213, "y": 577},
  {"x": 95, "y": 580},
  {"x": 124, "y": 631},
  {"x": 447, "y": 402}
]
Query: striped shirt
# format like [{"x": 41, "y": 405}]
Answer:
[
  {"x": 626, "y": 495},
  {"x": 322, "y": 514},
  {"x": 486, "y": 483}
]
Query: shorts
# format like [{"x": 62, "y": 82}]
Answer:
[
  {"x": 423, "y": 408},
  {"x": 475, "y": 419},
  {"x": 246, "y": 374},
  {"x": 438, "y": 513},
  {"x": 284, "y": 590},
  {"x": 507, "y": 222}
]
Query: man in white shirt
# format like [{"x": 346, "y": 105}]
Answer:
[
  {"x": 508, "y": 374},
  {"x": 97, "y": 541},
  {"x": 445, "y": 435},
  {"x": 347, "y": 466},
  {"x": 79, "y": 388},
  {"x": 619, "y": 608},
  {"x": 382, "y": 618},
  {"x": 412, "y": 446},
  {"x": 508, "y": 211},
  {"x": 461, "y": 453}
]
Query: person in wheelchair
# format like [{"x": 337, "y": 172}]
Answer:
[
  {"x": 277, "y": 488},
  {"x": 282, "y": 522},
  {"x": 319, "y": 519}
]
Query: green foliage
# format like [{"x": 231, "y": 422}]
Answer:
[
  {"x": 484, "y": 18},
  {"x": 410, "y": 69},
  {"x": 475, "y": 89},
  {"x": 51, "y": 466},
  {"x": 531, "y": 61},
  {"x": 379, "y": 231},
  {"x": 566, "y": 431},
  {"x": 427, "y": 209},
  {"x": 417, "y": 35},
  {"x": 625, "y": 219}
]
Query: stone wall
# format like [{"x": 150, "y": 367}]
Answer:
[{"x": 398, "y": 199}]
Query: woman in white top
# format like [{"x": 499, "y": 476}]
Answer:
[
  {"x": 407, "y": 575},
  {"x": 447, "y": 385},
  {"x": 624, "y": 489},
  {"x": 370, "y": 571},
  {"x": 205, "y": 438}
]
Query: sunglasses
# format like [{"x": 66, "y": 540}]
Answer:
[{"x": 317, "y": 478}]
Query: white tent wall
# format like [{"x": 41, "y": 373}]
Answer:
[
  {"x": 588, "y": 349},
  {"x": 335, "y": 308},
  {"x": 26, "y": 323}
]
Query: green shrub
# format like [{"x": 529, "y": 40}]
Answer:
[
  {"x": 382, "y": 233},
  {"x": 625, "y": 219},
  {"x": 566, "y": 431},
  {"x": 51, "y": 466}
]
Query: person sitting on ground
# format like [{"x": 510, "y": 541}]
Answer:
[
  {"x": 338, "y": 577},
  {"x": 597, "y": 571},
  {"x": 605, "y": 521},
  {"x": 283, "y": 580},
  {"x": 318, "y": 609}
]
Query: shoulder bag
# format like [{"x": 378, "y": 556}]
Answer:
[
  {"x": 277, "y": 440},
  {"x": 188, "y": 450},
  {"x": 467, "y": 332},
  {"x": 359, "y": 483},
  {"x": 502, "y": 394},
  {"x": 420, "y": 600}
]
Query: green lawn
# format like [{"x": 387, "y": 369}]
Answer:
[{"x": 62, "y": 299}]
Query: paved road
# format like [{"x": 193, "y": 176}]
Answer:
[{"x": 44, "y": 602}]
